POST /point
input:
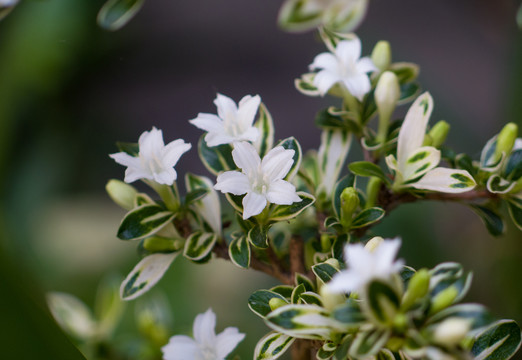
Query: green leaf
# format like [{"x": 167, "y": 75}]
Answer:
[
  {"x": 325, "y": 120},
  {"x": 515, "y": 212},
  {"x": 195, "y": 195},
  {"x": 491, "y": 219},
  {"x": 258, "y": 236},
  {"x": 217, "y": 158},
  {"x": 307, "y": 283},
  {"x": 108, "y": 307},
  {"x": 367, "y": 217},
  {"x": 478, "y": 315},
  {"x": 346, "y": 181},
  {"x": 338, "y": 247},
  {"x": 73, "y": 316},
  {"x": 500, "y": 341},
  {"x": 143, "y": 199},
  {"x": 305, "y": 85},
  {"x": 208, "y": 207},
  {"x": 324, "y": 272},
  {"x": 296, "y": 293},
  {"x": 199, "y": 245},
  {"x": 366, "y": 168},
  {"x": 236, "y": 201},
  {"x": 293, "y": 18},
  {"x": 144, "y": 221},
  {"x": 272, "y": 346},
  {"x": 303, "y": 321},
  {"x": 287, "y": 212},
  {"x": 258, "y": 302},
  {"x": 311, "y": 298},
  {"x": 513, "y": 169},
  {"x": 405, "y": 72},
  {"x": 449, "y": 274},
  {"x": 488, "y": 160},
  {"x": 292, "y": 144},
  {"x": 145, "y": 275},
  {"x": 133, "y": 149},
  {"x": 349, "y": 314},
  {"x": 265, "y": 125},
  {"x": 368, "y": 343},
  {"x": 283, "y": 290},
  {"x": 382, "y": 303},
  {"x": 239, "y": 252},
  {"x": 117, "y": 13},
  {"x": 498, "y": 185},
  {"x": 331, "y": 38}
]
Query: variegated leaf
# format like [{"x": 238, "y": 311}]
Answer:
[
  {"x": 265, "y": 125},
  {"x": 292, "y": 144},
  {"x": 449, "y": 274},
  {"x": 405, "y": 71},
  {"x": 117, "y": 13},
  {"x": 209, "y": 206},
  {"x": 145, "y": 275},
  {"x": 513, "y": 168},
  {"x": 498, "y": 185},
  {"x": 296, "y": 294},
  {"x": 446, "y": 180},
  {"x": 515, "y": 211},
  {"x": 324, "y": 272},
  {"x": 292, "y": 18},
  {"x": 366, "y": 168},
  {"x": 367, "y": 217},
  {"x": 302, "y": 279},
  {"x": 144, "y": 221},
  {"x": 217, "y": 158},
  {"x": 500, "y": 341},
  {"x": 258, "y": 236},
  {"x": 199, "y": 245},
  {"x": 239, "y": 252},
  {"x": 346, "y": 181},
  {"x": 73, "y": 316},
  {"x": 490, "y": 218},
  {"x": 303, "y": 321},
  {"x": 272, "y": 346},
  {"x": 287, "y": 212},
  {"x": 420, "y": 162},
  {"x": 349, "y": 314},
  {"x": 305, "y": 85},
  {"x": 311, "y": 298},
  {"x": 368, "y": 343},
  {"x": 382, "y": 302},
  {"x": 477, "y": 315},
  {"x": 259, "y": 301},
  {"x": 334, "y": 148}
]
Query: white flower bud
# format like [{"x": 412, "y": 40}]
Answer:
[
  {"x": 387, "y": 92},
  {"x": 451, "y": 331},
  {"x": 121, "y": 193},
  {"x": 381, "y": 55}
]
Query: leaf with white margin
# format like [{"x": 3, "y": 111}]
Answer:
[
  {"x": 498, "y": 185},
  {"x": 199, "y": 245},
  {"x": 500, "y": 341},
  {"x": 305, "y": 85},
  {"x": 209, "y": 206},
  {"x": 292, "y": 18},
  {"x": 265, "y": 124},
  {"x": 73, "y": 316},
  {"x": 334, "y": 148},
  {"x": 117, "y": 13},
  {"x": 368, "y": 343},
  {"x": 449, "y": 274},
  {"x": 272, "y": 346},
  {"x": 144, "y": 221},
  {"x": 287, "y": 212},
  {"x": 446, "y": 180},
  {"x": 145, "y": 275},
  {"x": 493, "y": 222},
  {"x": 303, "y": 321},
  {"x": 420, "y": 162},
  {"x": 239, "y": 252},
  {"x": 477, "y": 315},
  {"x": 292, "y": 144},
  {"x": 515, "y": 212}
]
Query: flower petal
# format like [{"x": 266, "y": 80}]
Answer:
[
  {"x": 180, "y": 347},
  {"x": 227, "y": 340},
  {"x": 358, "y": 85},
  {"x": 413, "y": 129},
  {"x": 151, "y": 143},
  {"x": 204, "y": 328},
  {"x": 208, "y": 122},
  {"x": 325, "y": 61},
  {"x": 276, "y": 164},
  {"x": 246, "y": 157},
  {"x": 246, "y": 113},
  {"x": 281, "y": 192},
  {"x": 226, "y": 107},
  {"x": 446, "y": 180},
  {"x": 133, "y": 174},
  {"x": 253, "y": 204},
  {"x": 349, "y": 50},
  {"x": 365, "y": 65},
  {"x": 173, "y": 151},
  {"x": 125, "y": 159},
  {"x": 218, "y": 138},
  {"x": 324, "y": 80},
  {"x": 166, "y": 177},
  {"x": 232, "y": 182}
]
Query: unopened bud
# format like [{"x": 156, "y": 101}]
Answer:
[
  {"x": 349, "y": 203},
  {"x": 330, "y": 299},
  {"x": 160, "y": 244},
  {"x": 506, "y": 139},
  {"x": 121, "y": 193},
  {"x": 373, "y": 243},
  {"x": 276, "y": 302},
  {"x": 451, "y": 331},
  {"x": 333, "y": 262},
  {"x": 443, "y": 299},
  {"x": 381, "y": 55},
  {"x": 387, "y": 92},
  {"x": 438, "y": 133},
  {"x": 417, "y": 288}
]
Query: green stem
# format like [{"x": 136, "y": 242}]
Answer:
[
  {"x": 352, "y": 104},
  {"x": 384, "y": 123},
  {"x": 169, "y": 194}
]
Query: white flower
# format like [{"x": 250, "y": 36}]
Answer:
[
  {"x": 155, "y": 160},
  {"x": 366, "y": 263},
  {"x": 415, "y": 165},
  {"x": 344, "y": 66},
  {"x": 206, "y": 345},
  {"x": 261, "y": 181},
  {"x": 232, "y": 123}
]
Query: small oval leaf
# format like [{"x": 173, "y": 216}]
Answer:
[
  {"x": 199, "y": 245},
  {"x": 144, "y": 221}
]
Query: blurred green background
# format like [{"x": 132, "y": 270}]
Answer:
[{"x": 69, "y": 90}]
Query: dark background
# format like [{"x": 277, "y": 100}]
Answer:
[{"x": 69, "y": 90}]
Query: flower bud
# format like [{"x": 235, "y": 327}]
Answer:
[
  {"x": 349, "y": 203},
  {"x": 506, "y": 139},
  {"x": 387, "y": 93},
  {"x": 438, "y": 133},
  {"x": 381, "y": 55},
  {"x": 443, "y": 299},
  {"x": 451, "y": 331},
  {"x": 372, "y": 191},
  {"x": 331, "y": 299},
  {"x": 121, "y": 193},
  {"x": 417, "y": 288},
  {"x": 333, "y": 262},
  {"x": 276, "y": 302},
  {"x": 161, "y": 244},
  {"x": 373, "y": 243}
]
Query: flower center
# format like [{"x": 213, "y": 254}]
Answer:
[{"x": 259, "y": 181}]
